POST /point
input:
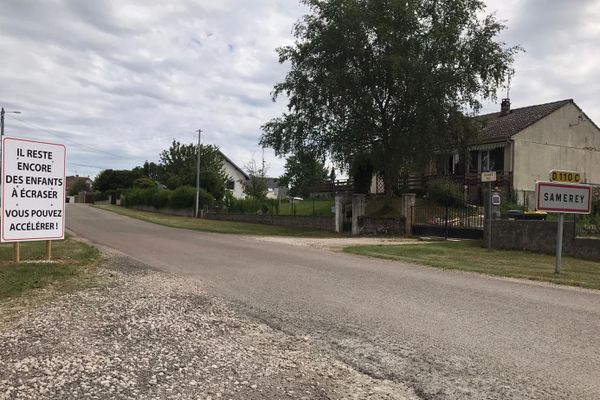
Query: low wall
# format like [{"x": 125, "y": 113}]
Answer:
[
  {"x": 540, "y": 236},
  {"x": 326, "y": 223},
  {"x": 381, "y": 226},
  {"x": 167, "y": 211}
]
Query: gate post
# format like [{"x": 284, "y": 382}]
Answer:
[
  {"x": 358, "y": 210},
  {"x": 339, "y": 213},
  {"x": 408, "y": 202}
]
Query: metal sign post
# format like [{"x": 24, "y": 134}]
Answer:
[
  {"x": 559, "y": 242},
  {"x": 489, "y": 177},
  {"x": 563, "y": 198}
]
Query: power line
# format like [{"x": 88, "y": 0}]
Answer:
[{"x": 112, "y": 155}]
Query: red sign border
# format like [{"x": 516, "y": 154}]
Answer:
[
  {"x": 565, "y": 185},
  {"x": 4, "y": 240}
]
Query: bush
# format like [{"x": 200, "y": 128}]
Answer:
[
  {"x": 161, "y": 198},
  {"x": 185, "y": 197},
  {"x": 596, "y": 201},
  {"x": 144, "y": 183},
  {"x": 446, "y": 192}
]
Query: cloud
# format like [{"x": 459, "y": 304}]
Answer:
[{"x": 118, "y": 80}]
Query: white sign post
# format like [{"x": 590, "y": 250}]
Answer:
[
  {"x": 489, "y": 177},
  {"x": 563, "y": 198},
  {"x": 33, "y": 191}
]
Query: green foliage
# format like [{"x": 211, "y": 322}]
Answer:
[
  {"x": 161, "y": 198},
  {"x": 256, "y": 186},
  {"x": 144, "y": 183},
  {"x": 182, "y": 197},
  {"x": 361, "y": 171},
  {"x": 80, "y": 185},
  {"x": 179, "y": 166},
  {"x": 388, "y": 78},
  {"x": 445, "y": 191},
  {"x": 303, "y": 172},
  {"x": 111, "y": 179}
]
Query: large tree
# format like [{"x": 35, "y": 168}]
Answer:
[
  {"x": 111, "y": 179},
  {"x": 178, "y": 168},
  {"x": 303, "y": 172},
  {"x": 395, "y": 79}
]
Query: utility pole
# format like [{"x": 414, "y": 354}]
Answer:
[{"x": 198, "y": 176}]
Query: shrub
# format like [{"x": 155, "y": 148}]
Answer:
[
  {"x": 185, "y": 197},
  {"x": 361, "y": 172},
  {"x": 144, "y": 183},
  {"x": 445, "y": 191},
  {"x": 160, "y": 198},
  {"x": 596, "y": 201}
]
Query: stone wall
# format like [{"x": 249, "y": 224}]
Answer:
[
  {"x": 381, "y": 226},
  {"x": 540, "y": 236},
  {"x": 315, "y": 222}
]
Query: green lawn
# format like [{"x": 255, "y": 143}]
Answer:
[
  {"x": 470, "y": 256},
  {"x": 73, "y": 259},
  {"x": 207, "y": 225},
  {"x": 321, "y": 207}
]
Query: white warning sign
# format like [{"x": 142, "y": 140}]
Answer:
[{"x": 33, "y": 190}]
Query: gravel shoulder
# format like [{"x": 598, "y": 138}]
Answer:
[
  {"x": 336, "y": 244},
  {"x": 146, "y": 334}
]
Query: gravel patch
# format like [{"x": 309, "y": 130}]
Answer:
[
  {"x": 147, "y": 334},
  {"x": 335, "y": 244}
]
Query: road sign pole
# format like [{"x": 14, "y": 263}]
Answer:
[
  {"x": 559, "y": 243},
  {"x": 17, "y": 252},
  {"x": 489, "y": 215},
  {"x": 48, "y": 250}
]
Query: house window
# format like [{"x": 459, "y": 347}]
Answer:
[
  {"x": 491, "y": 160},
  {"x": 230, "y": 185}
]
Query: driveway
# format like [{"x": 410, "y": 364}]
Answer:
[{"x": 446, "y": 334}]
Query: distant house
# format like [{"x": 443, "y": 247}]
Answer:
[
  {"x": 274, "y": 190},
  {"x": 522, "y": 145},
  {"x": 72, "y": 179},
  {"x": 236, "y": 176}
]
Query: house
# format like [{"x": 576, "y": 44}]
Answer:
[
  {"x": 70, "y": 180},
  {"x": 274, "y": 190},
  {"x": 236, "y": 176},
  {"x": 522, "y": 145}
]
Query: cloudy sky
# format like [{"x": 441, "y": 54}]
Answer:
[{"x": 118, "y": 80}]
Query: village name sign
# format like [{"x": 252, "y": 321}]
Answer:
[{"x": 33, "y": 190}]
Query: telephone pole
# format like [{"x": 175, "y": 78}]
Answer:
[{"x": 198, "y": 176}]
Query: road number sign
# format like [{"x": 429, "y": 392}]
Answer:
[
  {"x": 33, "y": 190},
  {"x": 564, "y": 198},
  {"x": 488, "y": 176},
  {"x": 565, "y": 176}
]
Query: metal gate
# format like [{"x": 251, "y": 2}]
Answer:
[{"x": 448, "y": 222}]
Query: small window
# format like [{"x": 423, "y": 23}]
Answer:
[{"x": 230, "y": 185}]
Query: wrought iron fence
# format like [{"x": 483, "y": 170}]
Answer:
[
  {"x": 470, "y": 217},
  {"x": 587, "y": 225}
]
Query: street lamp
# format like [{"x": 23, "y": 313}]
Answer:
[{"x": 2, "y": 120}]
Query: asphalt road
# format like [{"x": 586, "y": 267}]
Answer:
[{"x": 448, "y": 335}]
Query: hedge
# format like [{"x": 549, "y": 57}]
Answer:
[{"x": 182, "y": 197}]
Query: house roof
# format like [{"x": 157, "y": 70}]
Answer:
[
  {"x": 497, "y": 126},
  {"x": 241, "y": 171}
]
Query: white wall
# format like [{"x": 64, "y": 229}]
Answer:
[
  {"x": 235, "y": 175},
  {"x": 560, "y": 141}
]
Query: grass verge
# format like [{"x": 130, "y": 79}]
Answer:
[
  {"x": 228, "y": 227},
  {"x": 470, "y": 256},
  {"x": 71, "y": 269}
]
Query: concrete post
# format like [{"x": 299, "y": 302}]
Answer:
[
  {"x": 358, "y": 210},
  {"x": 408, "y": 202},
  {"x": 339, "y": 213}
]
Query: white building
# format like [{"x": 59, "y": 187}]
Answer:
[{"x": 236, "y": 176}]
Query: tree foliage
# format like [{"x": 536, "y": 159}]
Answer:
[
  {"x": 111, "y": 179},
  {"x": 255, "y": 187},
  {"x": 79, "y": 185},
  {"x": 178, "y": 168},
  {"x": 395, "y": 79},
  {"x": 303, "y": 172}
]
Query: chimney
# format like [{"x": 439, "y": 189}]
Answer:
[{"x": 505, "y": 107}]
